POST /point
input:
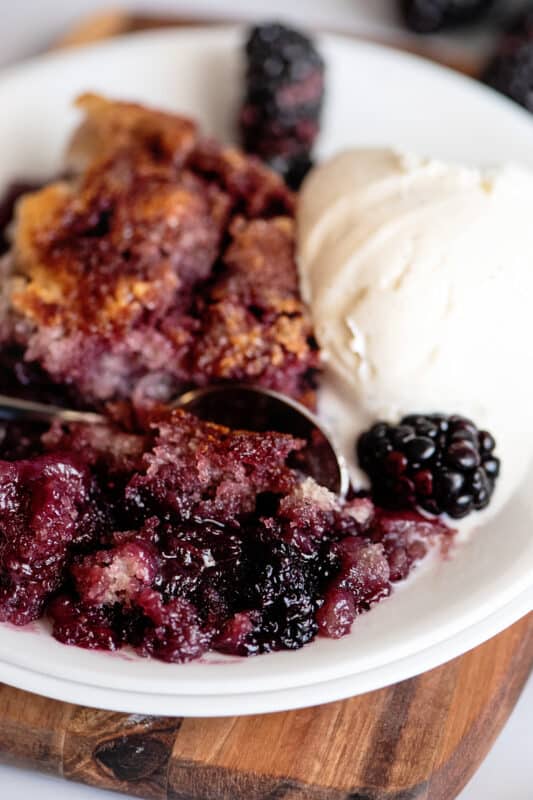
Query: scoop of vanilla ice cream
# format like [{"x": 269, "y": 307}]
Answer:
[{"x": 419, "y": 275}]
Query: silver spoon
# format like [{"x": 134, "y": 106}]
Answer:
[{"x": 234, "y": 405}]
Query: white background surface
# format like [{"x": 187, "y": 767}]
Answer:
[{"x": 28, "y": 26}]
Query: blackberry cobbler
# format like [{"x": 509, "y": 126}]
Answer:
[
  {"x": 163, "y": 261},
  {"x": 190, "y": 537}
]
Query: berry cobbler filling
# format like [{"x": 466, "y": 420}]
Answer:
[{"x": 190, "y": 537}]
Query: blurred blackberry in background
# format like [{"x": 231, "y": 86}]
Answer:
[
  {"x": 284, "y": 90},
  {"x": 429, "y": 16},
  {"x": 511, "y": 69},
  {"x": 441, "y": 464}
]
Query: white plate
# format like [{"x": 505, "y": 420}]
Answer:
[
  {"x": 375, "y": 96},
  {"x": 226, "y": 705}
]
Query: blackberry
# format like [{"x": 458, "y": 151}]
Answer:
[
  {"x": 438, "y": 463},
  {"x": 282, "y": 585},
  {"x": 284, "y": 89},
  {"x": 511, "y": 69},
  {"x": 428, "y": 16}
]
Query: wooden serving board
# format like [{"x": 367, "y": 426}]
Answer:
[{"x": 421, "y": 739}]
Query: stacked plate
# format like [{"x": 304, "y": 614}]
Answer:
[{"x": 374, "y": 96}]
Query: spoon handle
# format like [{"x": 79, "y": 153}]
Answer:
[{"x": 13, "y": 408}]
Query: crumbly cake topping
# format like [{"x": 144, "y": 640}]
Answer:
[
  {"x": 187, "y": 538},
  {"x": 165, "y": 260}
]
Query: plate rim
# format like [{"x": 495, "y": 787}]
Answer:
[{"x": 270, "y": 701}]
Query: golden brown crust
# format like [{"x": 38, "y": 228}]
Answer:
[
  {"x": 99, "y": 255},
  {"x": 255, "y": 325},
  {"x": 110, "y": 126},
  {"x": 122, "y": 272}
]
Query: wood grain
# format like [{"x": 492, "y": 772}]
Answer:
[{"x": 421, "y": 739}]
